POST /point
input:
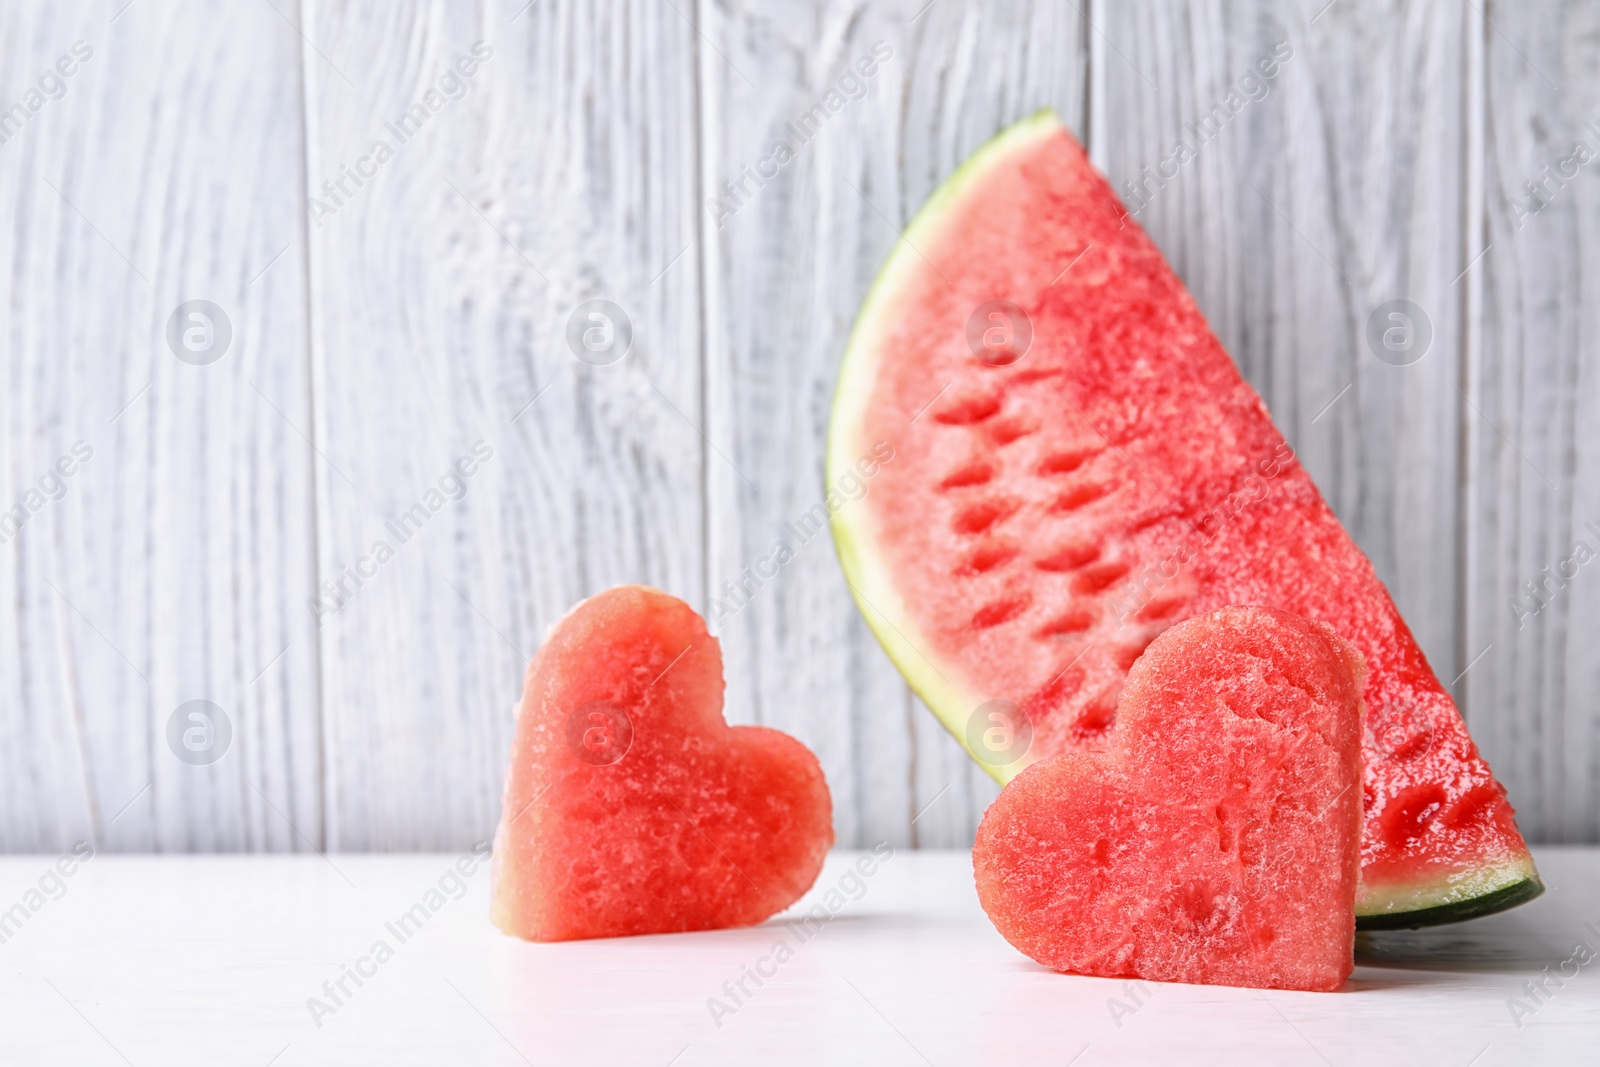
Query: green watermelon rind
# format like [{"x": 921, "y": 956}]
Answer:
[
  {"x": 1423, "y": 902},
  {"x": 879, "y": 604},
  {"x": 1450, "y": 899}
]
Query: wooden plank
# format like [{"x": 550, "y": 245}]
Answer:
[
  {"x": 1304, "y": 204},
  {"x": 1533, "y": 455},
  {"x": 158, "y": 163},
  {"x": 560, "y": 170},
  {"x": 786, "y": 268}
]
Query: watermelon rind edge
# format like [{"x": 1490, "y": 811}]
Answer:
[
  {"x": 1511, "y": 896},
  {"x": 1450, "y": 898},
  {"x": 875, "y": 597}
]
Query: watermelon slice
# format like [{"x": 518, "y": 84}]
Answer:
[
  {"x": 631, "y": 807},
  {"x": 1219, "y": 839},
  {"x": 1078, "y": 467}
]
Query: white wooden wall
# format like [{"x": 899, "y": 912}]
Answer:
[{"x": 374, "y": 346}]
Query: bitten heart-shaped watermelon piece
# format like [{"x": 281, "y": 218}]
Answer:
[
  {"x": 1217, "y": 839},
  {"x": 631, "y": 806}
]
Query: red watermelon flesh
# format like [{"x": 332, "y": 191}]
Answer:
[
  {"x": 1056, "y": 501},
  {"x": 1217, "y": 839},
  {"x": 631, "y": 807}
]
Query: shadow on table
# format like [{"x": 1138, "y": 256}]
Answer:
[{"x": 1500, "y": 949}]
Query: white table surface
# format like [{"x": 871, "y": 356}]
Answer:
[{"x": 211, "y": 960}]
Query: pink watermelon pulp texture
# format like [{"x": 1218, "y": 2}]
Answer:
[
  {"x": 631, "y": 807},
  {"x": 1217, "y": 839},
  {"x": 1047, "y": 516}
]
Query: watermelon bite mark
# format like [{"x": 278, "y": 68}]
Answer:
[
  {"x": 1046, "y": 517},
  {"x": 1217, "y": 838},
  {"x": 630, "y": 806}
]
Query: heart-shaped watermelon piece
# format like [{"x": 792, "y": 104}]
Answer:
[
  {"x": 631, "y": 806},
  {"x": 1217, "y": 840}
]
